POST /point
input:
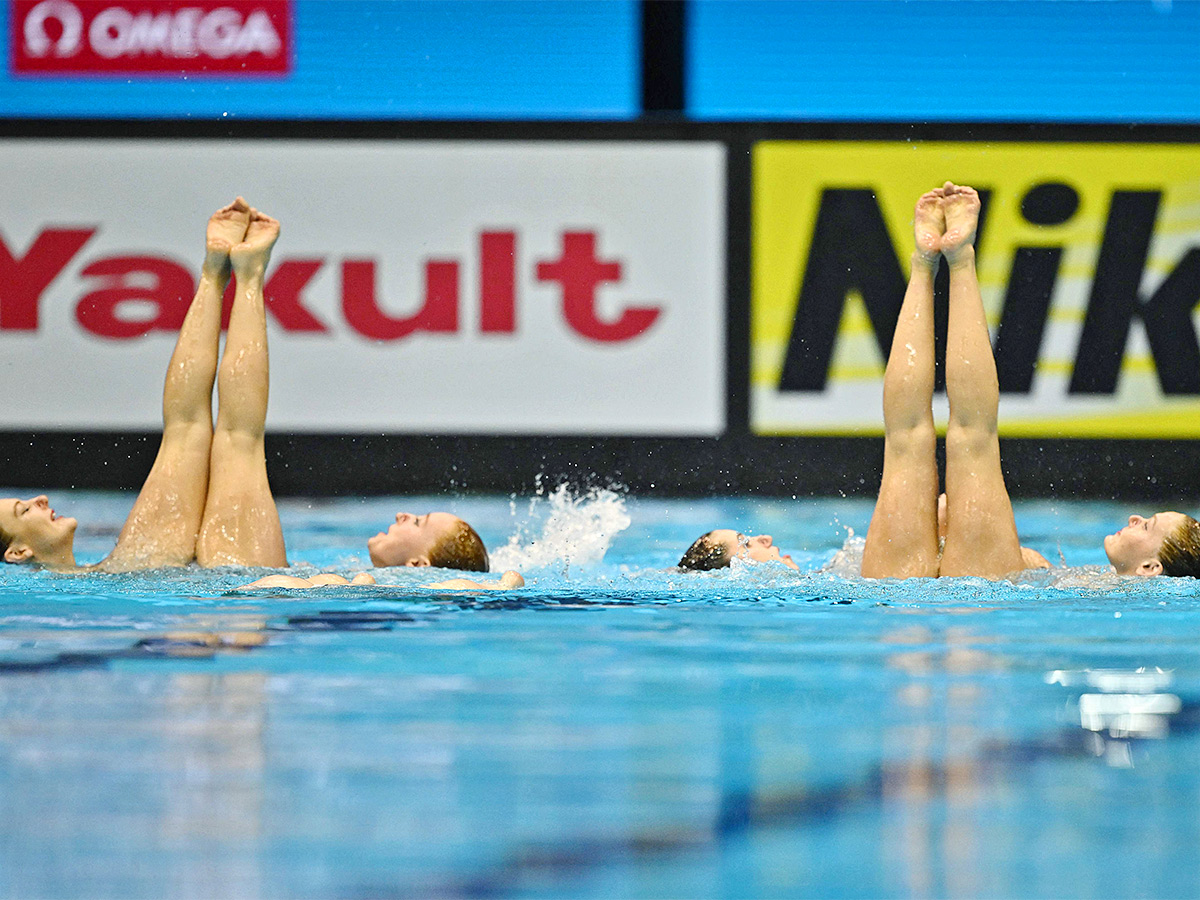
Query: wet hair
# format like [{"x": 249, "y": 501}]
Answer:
[
  {"x": 462, "y": 548},
  {"x": 5, "y": 540},
  {"x": 1180, "y": 550},
  {"x": 705, "y": 554}
]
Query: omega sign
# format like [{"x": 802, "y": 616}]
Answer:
[{"x": 224, "y": 37}]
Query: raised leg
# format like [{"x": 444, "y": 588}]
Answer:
[
  {"x": 163, "y": 525},
  {"x": 902, "y": 540},
  {"x": 241, "y": 525},
  {"x": 981, "y": 536}
]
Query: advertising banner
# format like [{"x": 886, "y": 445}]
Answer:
[
  {"x": 457, "y": 287},
  {"x": 1089, "y": 263},
  {"x": 233, "y": 38}
]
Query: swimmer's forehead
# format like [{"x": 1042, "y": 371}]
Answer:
[{"x": 725, "y": 535}]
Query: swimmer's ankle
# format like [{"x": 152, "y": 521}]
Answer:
[
  {"x": 216, "y": 266},
  {"x": 249, "y": 278},
  {"x": 963, "y": 257},
  {"x": 926, "y": 262}
]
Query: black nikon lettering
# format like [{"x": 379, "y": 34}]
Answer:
[
  {"x": 1115, "y": 301},
  {"x": 852, "y": 251},
  {"x": 1030, "y": 286}
]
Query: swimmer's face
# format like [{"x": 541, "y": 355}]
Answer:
[
  {"x": 38, "y": 533},
  {"x": 410, "y": 539},
  {"x": 758, "y": 547},
  {"x": 1134, "y": 549}
]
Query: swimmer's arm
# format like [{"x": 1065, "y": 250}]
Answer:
[
  {"x": 293, "y": 581},
  {"x": 1033, "y": 560},
  {"x": 507, "y": 582}
]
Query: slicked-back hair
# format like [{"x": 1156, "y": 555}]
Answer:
[
  {"x": 1180, "y": 550},
  {"x": 705, "y": 554},
  {"x": 462, "y": 548}
]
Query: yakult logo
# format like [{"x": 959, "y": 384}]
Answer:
[
  {"x": 121, "y": 288},
  {"x": 243, "y": 37}
]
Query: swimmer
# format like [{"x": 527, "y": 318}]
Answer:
[
  {"x": 433, "y": 539},
  {"x": 1167, "y": 543},
  {"x": 206, "y": 497},
  {"x": 718, "y": 548},
  {"x": 975, "y": 517}
]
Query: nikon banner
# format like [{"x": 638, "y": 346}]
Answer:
[{"x": 1089, "y": 263}]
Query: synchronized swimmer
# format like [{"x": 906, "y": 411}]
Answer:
[
  {"x": 207, "y": 498},
  {"x": 968, "y": 530}
]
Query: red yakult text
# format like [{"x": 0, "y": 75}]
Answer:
[{"x": 577, "y": 268}]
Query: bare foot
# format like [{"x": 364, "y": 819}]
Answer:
[
  {"x": 250, "y": 257},
  {"x": 961, "y": 205},
  {"x": 226, "y": 228},
  {"x": 929, "y": 222}
]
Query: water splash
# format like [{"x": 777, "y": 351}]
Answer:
[
  {"x": 564, "y": 529},
  {"x": 847, "y": 562}
]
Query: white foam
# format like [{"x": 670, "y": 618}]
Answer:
[
  {"x": 847, "y": 562},
  {"x": 563, "y": 529}
]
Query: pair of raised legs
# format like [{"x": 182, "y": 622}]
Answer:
[
  {"x": 980, "y": 534},
  {"x": 207, "y": 497}
]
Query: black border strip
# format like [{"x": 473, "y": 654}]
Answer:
[
  {"x": 664, "y": 88},
  {"x": 643, "y": 130}
]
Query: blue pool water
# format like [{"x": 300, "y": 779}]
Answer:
[{"x": 615, "y": 728}]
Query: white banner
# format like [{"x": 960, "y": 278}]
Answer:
[{"x": 494, "y": 287}]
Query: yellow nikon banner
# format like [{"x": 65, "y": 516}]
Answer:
[{"x": 1089, "y": 262}]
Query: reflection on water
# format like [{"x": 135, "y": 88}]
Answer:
[
  {"x": 1121, "y": 705},
  {"x": 119, "y": 786}
]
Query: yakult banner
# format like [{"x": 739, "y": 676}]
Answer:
[
  {"x": 1089, "y": 263},
  {"x": 452, "y": 287}
]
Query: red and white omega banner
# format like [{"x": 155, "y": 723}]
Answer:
[
  {"x": 459, "y": 287},
  {"x": 230, "y": 38}
]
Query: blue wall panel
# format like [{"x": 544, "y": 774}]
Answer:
[{"x": 945, "y": 60}]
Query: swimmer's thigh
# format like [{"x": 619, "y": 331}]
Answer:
[
  {"x": 902, "y": 538},
  {"x": 162, "y": 527},
  {"x": 981, "y": 536},
  {"x": 241, "y": 525}
]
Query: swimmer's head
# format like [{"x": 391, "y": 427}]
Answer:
[
  {"x": 433, "y": 539},
  {"x": 31, "y": 532},
  {"x": 716, "y": 549},
  {"x": 1166, "y": 543}
]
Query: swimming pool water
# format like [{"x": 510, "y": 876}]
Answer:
[{"x": 615, "y": 728}]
